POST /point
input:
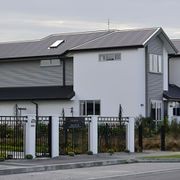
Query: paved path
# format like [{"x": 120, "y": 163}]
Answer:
[{"x": 67, "y": 162}]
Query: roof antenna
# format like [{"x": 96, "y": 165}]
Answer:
[{"x": 108, "y": 24}]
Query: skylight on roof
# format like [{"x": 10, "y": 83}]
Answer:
[{"x": 56, "y": 43}]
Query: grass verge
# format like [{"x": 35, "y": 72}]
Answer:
[{"x": 175, "y": 156}]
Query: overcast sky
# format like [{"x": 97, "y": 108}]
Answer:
[{"x": 33, "y": 19}]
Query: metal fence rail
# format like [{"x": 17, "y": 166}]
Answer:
[
  {"x": 112, "y": 133},
  {"x": 12, "y": 136},
  {"x": 73, "y": 134},
  {"x": 113, "y": 119}
]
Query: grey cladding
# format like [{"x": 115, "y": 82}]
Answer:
[
  {"x": 29, "y": 73},
  {"x": 154, "y": 80},
  {"x": 69, "y": 72},
  {"x": 155, "y": 47}
]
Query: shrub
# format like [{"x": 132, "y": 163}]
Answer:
[
  {"x": 2, "y": 156},
  {"x": 9, "y": 156},
  {"x": 111, "y": 151},
  {"x": 166, "y": 124},
  {"x": 126, "y": 151},
  {"x": 29, "y": 156},
  {"x": 89, "y": 152},
  {"x": 71, "y": 153},
  {"x": 174, "y": 128}
]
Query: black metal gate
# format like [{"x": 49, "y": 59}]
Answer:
[
  {"x": 112, "y": 134},
  {"x": 12, "y": 136},
  {"x": 43, "y": 136},
  {"x": 149, "y": 135},
  {"x": 73, "y": 134}
]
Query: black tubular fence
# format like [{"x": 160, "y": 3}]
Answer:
[
  {"x": 74, "y": 134},
  {"x": 12, "y": 134},
  {"x": 43, "y": 136},
  {"x": 112, "y": 134},
  {"x": 150, "y": 135}
]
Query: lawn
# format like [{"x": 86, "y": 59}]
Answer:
[{"x": 175, "y": 156}]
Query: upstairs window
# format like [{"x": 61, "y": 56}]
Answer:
[
  {"x": 110, "y": 57},
  {"x": 50, "y": 62},
  {"x": 155, "y": 63},
  {"x": 89, "y": 107}
]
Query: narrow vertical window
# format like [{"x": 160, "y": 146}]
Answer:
[
  {"x": 82, "y": 108},
  {"x": 156, "y": 110},
  {"x": 159, "y": 63},
  {"x": 90, "y": 108},
  {"x": 155, "y": 63}
]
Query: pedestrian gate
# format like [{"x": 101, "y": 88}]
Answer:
[
  {"x": 112, "y": 134},
  {"x": 12, "y": 136},
  {"x": 73, "y": 134}
]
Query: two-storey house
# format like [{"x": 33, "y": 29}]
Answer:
[{"x": 90, "y": 73}]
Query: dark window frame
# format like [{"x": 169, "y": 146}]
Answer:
[{"x": 90, "y": 107}]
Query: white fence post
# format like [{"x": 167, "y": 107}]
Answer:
[
  {"x": 94, "y": 135},
  {"x": 130, "y": 135},
  {"x": 30, "y": 135},
  {"x": 55, "y": 137}
]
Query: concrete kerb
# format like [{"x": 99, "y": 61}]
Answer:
[
  {"x": 83, "y": 161},
  {"x": 54, "y": 167}
]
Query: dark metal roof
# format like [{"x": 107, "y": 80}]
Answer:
[
  {"x": 40, "y": 47},
  {"x": 176, "y": 43},
  {"x": 173, "y": 92},
  {"x": 79, "y": 41},
  {"x": 115, "y": 39},
  {"x": 37, "y": 93}
]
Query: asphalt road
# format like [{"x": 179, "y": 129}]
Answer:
[
  {"x": 169, "y": 175},
  {"x": 141, "y": 171}
]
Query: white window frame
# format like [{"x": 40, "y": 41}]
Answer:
[
  {"x": 110, "y": 57},
  {"x": 156, "y": 105},
  {"x": 177, "y": 106},
  {"x": 50, "y": 62},
  {"x": 155, "y": 63}
]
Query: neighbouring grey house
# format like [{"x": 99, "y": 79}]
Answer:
[
  {"x": 88, "y": 73},
  {"x": 172, "y": 96}
]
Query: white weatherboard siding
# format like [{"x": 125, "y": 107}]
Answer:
[
  {"x": 171, "y": 117},
  {"x": 46, "y": 108},
  {"x": 165, "y": 70},
  {"x": 112, "y": 82},
  {"x": 174, "y": 71}
]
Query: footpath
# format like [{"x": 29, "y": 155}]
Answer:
[{"x": 80, "y": 161}]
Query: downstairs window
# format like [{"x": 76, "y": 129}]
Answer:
[
  {"x": 89, "y": 107},
  {"x": 156, "y": 110}
]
